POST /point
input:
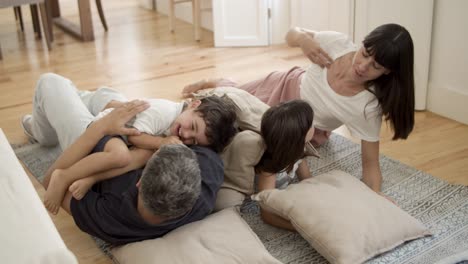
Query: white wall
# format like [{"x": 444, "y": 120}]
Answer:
[
  {"x": 416, "y": 17},
  {"x": 448, "y": 73},
  {"x": 183, "y": 12},
  {"x": 336, "y": 15},
  {"x": 280, "y": 20}
]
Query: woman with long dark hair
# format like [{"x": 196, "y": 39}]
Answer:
[{"x": 354, "y": 85}]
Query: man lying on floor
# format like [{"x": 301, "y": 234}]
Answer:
[{"x": 178, "y": 185}]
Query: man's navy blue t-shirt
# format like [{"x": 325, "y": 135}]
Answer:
[{"x": 108, "y": 211}]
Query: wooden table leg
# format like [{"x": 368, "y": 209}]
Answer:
[
  {"x": 19, "y": 16},
  {"x": 54, "y": 8},
  {"x": 86, "y": 21},
  {"x": 50, "y": 14},
  {"x": 45, "y": 24},
  {"x": 196, "y": 19},
  {"x": 84, "y": 31},
  {"x": 35, "y": 20},
  {"x": 172, "y": 15}
]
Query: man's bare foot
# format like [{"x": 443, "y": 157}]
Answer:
[
  {"x": 55, "y": 192},
  {"x": 80, "y": 187}
]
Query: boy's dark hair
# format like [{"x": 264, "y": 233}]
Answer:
[
  {"x": 284, "y": 128},
  {"x": 219, "y": 115}
]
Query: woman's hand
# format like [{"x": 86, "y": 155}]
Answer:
[
  {"x": 298, "y": 37},
  {"x": 311, "y": 48},
  {"x": 114, "y": 122}
]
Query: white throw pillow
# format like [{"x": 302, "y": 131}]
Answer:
[
  {"x": 341, "y": 217},
  {"x": 222, "y": 237}
]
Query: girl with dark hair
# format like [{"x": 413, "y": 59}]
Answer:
[
  {"x": 286, "y": 129},
  {"x": 346, "y": 84}
]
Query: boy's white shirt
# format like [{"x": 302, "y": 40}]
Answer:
[{"x": 156, "y": 120}]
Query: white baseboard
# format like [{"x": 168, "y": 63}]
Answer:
[{"x": 447, "y": 102}]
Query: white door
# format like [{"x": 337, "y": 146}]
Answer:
[
  {"x": 448, "y": 75},
  {"x": 240, "y": 22},
  {"x": 335, "y": 15},
  {"x": 148, "y": 4},
  {"x": 416, "y": 17}
]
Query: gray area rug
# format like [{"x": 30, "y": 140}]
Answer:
[{"x": 442, "y": 207}]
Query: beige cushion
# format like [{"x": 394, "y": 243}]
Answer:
[
  {"x": 227, "y": 197},
  {"x": 341, "y": 217},
  {"x": 246, "y": 148},
  {"x": 240, "y": 158},
  {"x": 222, "y": 237}
]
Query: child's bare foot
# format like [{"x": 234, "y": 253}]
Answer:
[
  {"x": 320, "y": 137},
  {"x": 80, "y": 187},
  {"x": 193, "y": 87},
  {"x": 55, "y": 192},
  {"x": 205, "y": 84}
]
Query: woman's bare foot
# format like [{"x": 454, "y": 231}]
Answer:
[
  {"x": 55, "y": 192},
  {"x": 205, "y": 84},
  {"x": 320, "y": 137},
  {"x": 193, "y": 87},
  {"x": 80, "y": 187}
]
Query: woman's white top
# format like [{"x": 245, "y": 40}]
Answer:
[{"x": 361, "y": 113}]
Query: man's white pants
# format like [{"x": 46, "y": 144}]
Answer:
[{"x": 61, "y": 113}]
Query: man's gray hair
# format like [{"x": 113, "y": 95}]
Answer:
[{"x": 171, "y": 181}]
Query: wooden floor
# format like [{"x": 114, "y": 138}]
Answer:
[{"x": 141, "y": 58}]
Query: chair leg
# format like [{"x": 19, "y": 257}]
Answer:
[
  {"x": 45, "y": 25},
  {"x": 172, "y": 15},
  {"x": 196, "y": 18},
  {"x": 101, "y": 14},
  {"x": 35, "y": 19},
  {"x": 1, "y": 57},
  {"x": 50, "y": 16},
  {"x": 19, "y": 16}
]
